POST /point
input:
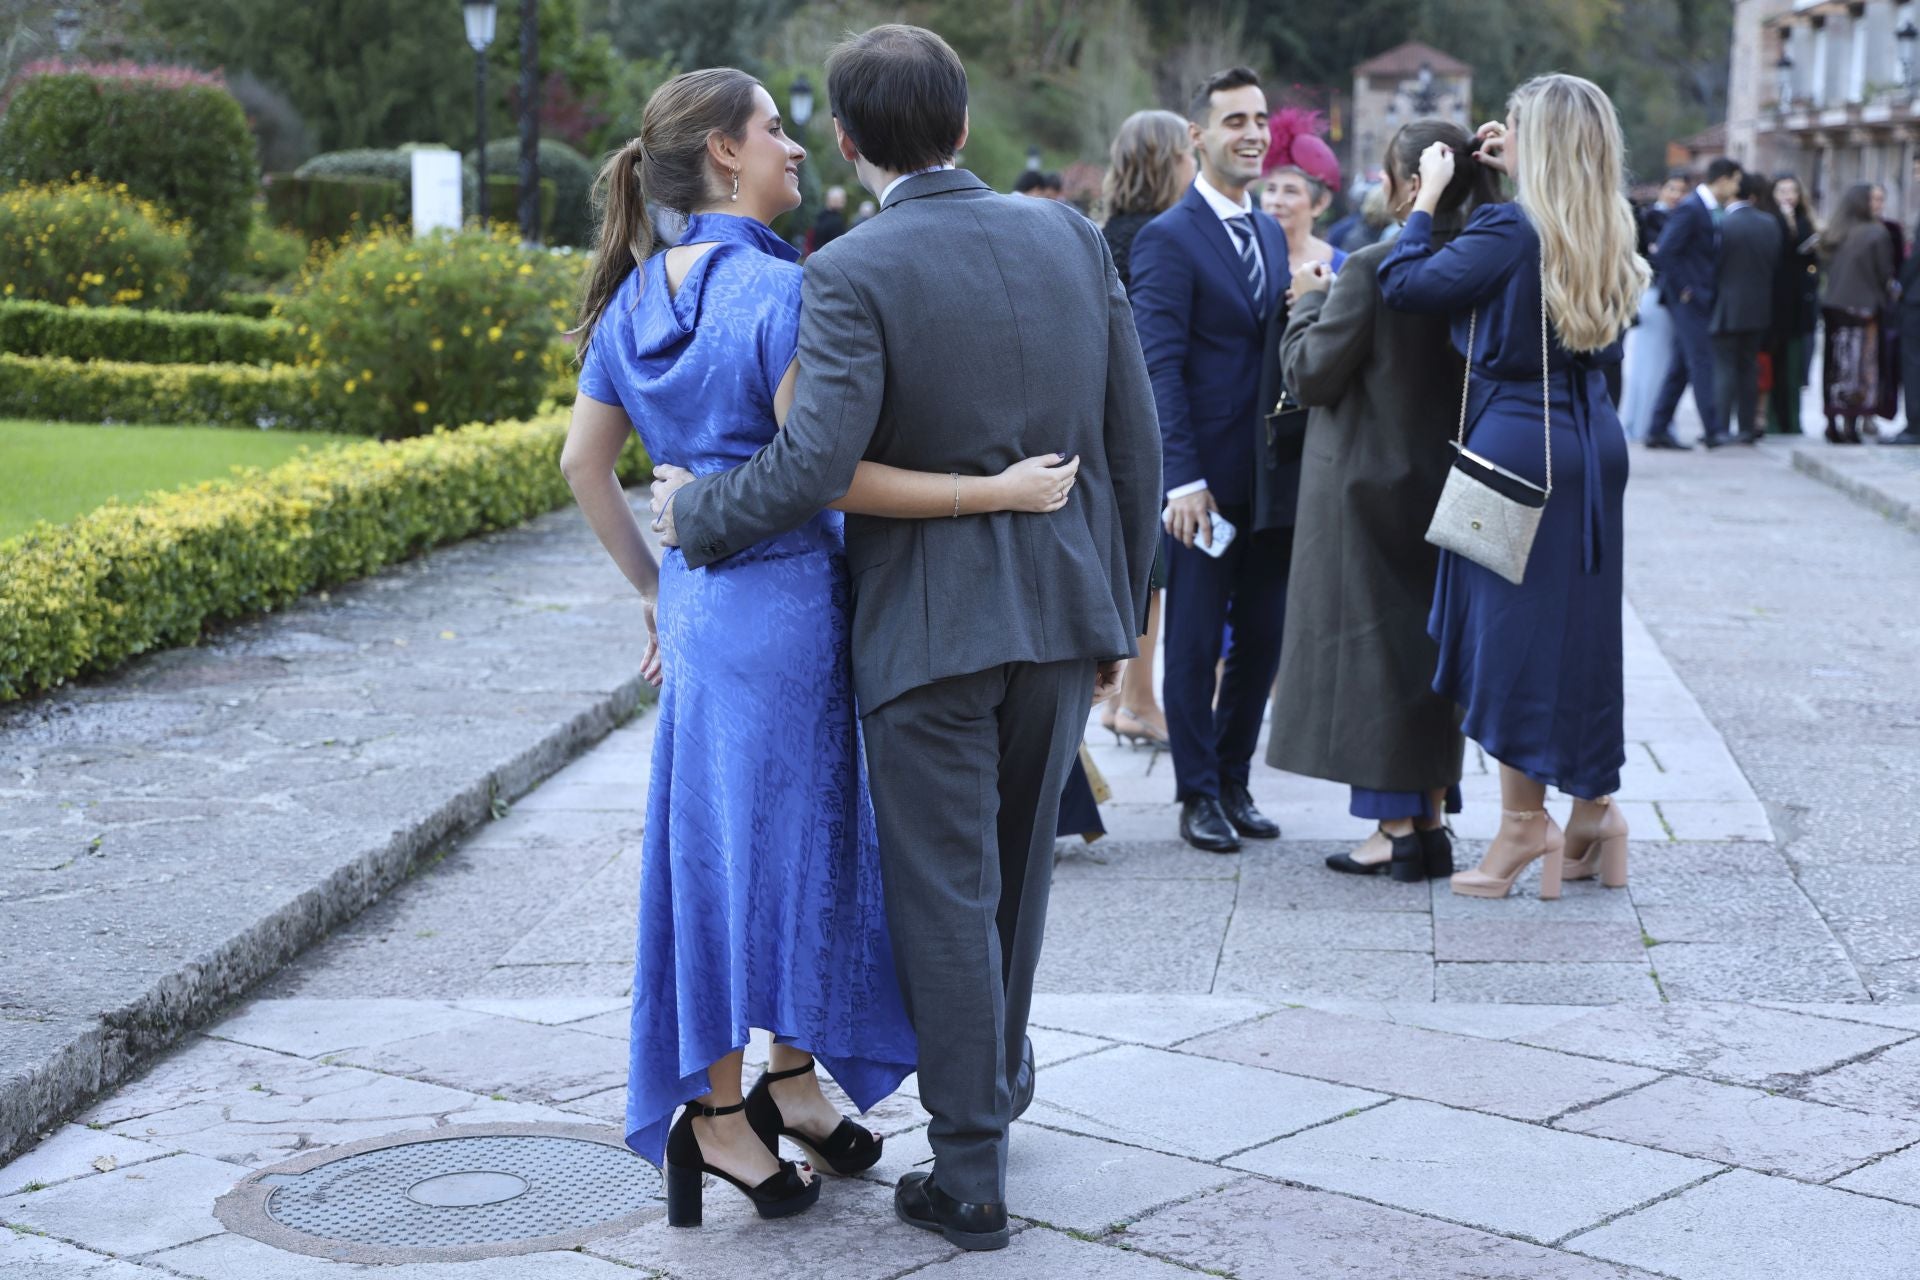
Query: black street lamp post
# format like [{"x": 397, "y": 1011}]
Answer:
[
  {"x": 1907, "y": 35},
  {"x": 480, "y": 22},
  {"x": 800, "y": 102},
  {"x": 529, "y": 121}
]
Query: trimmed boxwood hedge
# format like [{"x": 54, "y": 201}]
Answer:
[
  {"x": 221, "y": 395},
  {"x": 142, "y": 337},
  {"x": 257, "y": 305},
  {"x": 84, "y": 597}
]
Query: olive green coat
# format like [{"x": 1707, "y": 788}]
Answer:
[{"x": 1355, "y": 702}]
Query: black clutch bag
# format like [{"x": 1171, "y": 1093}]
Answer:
[{"x": 1286, "y": 427}]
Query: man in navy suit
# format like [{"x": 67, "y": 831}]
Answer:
[
  {"x": 1687, "y": 259},
  {"x": 1209, "y": 276}
]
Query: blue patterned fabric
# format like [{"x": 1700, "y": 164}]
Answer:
[{"x": 760, "y": 893}]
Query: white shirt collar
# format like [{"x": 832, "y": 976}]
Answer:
[
  {"x": 936, "y": 168},
  {"x": 1222, "y": 206},
  {"x": 1706, "y": 194}
]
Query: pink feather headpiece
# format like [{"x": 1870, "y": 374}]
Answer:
[{"x": 1297, "y": 142}]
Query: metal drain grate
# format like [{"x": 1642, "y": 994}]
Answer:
[{"x": 451, "y": 1194}]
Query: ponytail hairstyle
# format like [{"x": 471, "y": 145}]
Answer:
[
  {"x": 1473, "y": 185},
  {"x": 666, "y": 165},
  {"x": 1571, "y": 183}
]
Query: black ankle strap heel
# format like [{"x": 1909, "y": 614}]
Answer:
[
  {"x": 848, "y": 1150},
  {"x": 786, "y": 1193}
]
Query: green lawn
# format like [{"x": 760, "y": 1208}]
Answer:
[{"x": 56, "y": 471}]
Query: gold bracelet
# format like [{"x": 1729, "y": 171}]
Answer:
[{"x": 956, "y": 495}]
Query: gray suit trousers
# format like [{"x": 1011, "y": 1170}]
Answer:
[{"x": 966, "y": 776}]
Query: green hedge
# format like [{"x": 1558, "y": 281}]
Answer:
[
  {"x": 328, "y": 208},
  {"x": 259, "y": 306},
  {"x": 84, "y": 597},
  {"x": 570, "y": 220},
  {"x": 142, "y": 337},
  {"x": 172, "y": 135},
  {"x": 221, "y": 395}
]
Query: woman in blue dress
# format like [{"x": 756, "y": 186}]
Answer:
[
  {"x": 1537, "y": 667},
  {"x": 760, "y": 895}
]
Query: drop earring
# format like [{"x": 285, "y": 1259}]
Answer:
[{"x": 736, "y": 185}]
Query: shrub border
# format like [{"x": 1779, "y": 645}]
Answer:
[
  {"x": 84, "y": 597},
  {"x": 142, "y": 337}
]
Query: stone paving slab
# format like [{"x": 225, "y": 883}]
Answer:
[
  {"x": 1729, "y": 1124},
  {"x": 1896, "y": 1178},
  {"x": 1882, "y": 482},
  {"x": 1049, "y": 1255},
  {"x": 360, "y": 729},
  {"x": 1461, "y": 1071},
  {"x": 29, "y": 1257},
  {"x": 130, "y": 1211},
  {"x": 1476, "y": 1170},
  {"x": 1257, "y": 1230},
  {"x": 1886, "y": 1083},
  {"x": 75, "y": 1151},
  {"x": 1743, "y": 1225},
  {"x": 235, "y": 1257},
  {"x": 1158, "y": 1020},
  {"x": 1763, "y": 1047},
  {"x": 1186, "y": 1106}
]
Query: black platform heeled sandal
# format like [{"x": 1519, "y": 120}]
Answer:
[
  {"x": 785, "y": 1193},
  {"x": 848, "y": 1150}
]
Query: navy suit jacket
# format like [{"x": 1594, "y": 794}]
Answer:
[
  {"x": 1205, "y": 337},
  {"x": 1688, "y": 256}
]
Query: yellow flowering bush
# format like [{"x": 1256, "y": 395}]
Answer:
[
  {"x": 84, "y": 597},
  {"x": 90, "y": 244},
  {"x": 407, "y": 335}
]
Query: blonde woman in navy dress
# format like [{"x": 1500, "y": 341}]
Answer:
[
  {"x": 1537, "y": 667},
  {"x": 760, "y": 890}
]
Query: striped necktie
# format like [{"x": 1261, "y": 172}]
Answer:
[{"x": 1242, "y": 228}]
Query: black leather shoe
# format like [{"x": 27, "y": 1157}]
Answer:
[
  {"x": 1667, "y": 442},
  {"x": 1437, "y": 845},
  {"x": 1717, "y": 442},
  {"x": 1204, "y": 825},
  {"x": 1247, "y": 820},
  {"x": 1023, "y": 1082},
  {"x": 918, "y": 1203}
]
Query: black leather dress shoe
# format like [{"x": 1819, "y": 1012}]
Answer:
[
  {"x": 1717, "y": 442},
  {"x": 1204, "y": 825},
  {"x": 1246, "y": 819},
  {"x": 918, "y": 1203},
  {"x": 1023, "y": 1082},
  {"x": 1667, "y": 442}
]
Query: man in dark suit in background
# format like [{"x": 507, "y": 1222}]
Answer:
[
  {"x": 1750, "y": 247},
  {"x": 1688, "y": 256},
  {"x": 1209, "y": 275}
]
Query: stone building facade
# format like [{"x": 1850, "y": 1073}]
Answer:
[
  {"x": 1826, "y": 89},
  {"x": 1402, "y": 84}
]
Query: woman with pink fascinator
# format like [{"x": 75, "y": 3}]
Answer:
[{"x": 1301, "y": 176}]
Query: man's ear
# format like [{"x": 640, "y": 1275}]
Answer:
[
  {"x": 848, "y": 151},
  {"x": 1194, "y": 134},
  {"x": 966, "y": 128}
]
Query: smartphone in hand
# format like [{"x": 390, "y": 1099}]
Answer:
[{"x": 1223, "y": 534}]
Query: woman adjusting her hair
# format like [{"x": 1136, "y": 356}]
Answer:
[{"x": 1538, "y": 292}]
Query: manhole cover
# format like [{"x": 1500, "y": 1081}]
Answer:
[{"x": 449, "y": 1195}]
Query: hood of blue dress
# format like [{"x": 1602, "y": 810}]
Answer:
[{"x": 664, "y": 319}]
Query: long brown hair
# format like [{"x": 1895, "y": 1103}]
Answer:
[
  {"x": 1144, "y": 159},
  {"x": 666, "y": 165},
  {"x": 1473, "y": 185}
]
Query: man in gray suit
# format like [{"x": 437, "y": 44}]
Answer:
[
  {"x": 960, "y": 331},
  {"x": 1751, "y": 239}
]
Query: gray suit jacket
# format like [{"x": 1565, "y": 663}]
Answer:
[
  {"x": 1750, "y": 248},
  {"x": 962, "y": 330}
]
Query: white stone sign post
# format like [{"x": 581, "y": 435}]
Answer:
[{"x": 436, "y": 191}]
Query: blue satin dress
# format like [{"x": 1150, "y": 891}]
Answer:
[
  {"x": 1537, "y": 667},
  {"x": 760, "y": 890}
]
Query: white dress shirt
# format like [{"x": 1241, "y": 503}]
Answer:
[
  {"x": 934, "y": 168},
  {"x": 1226, "y": 209}
]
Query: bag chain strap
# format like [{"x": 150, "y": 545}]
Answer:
[{"x": 1546, "y": 389}]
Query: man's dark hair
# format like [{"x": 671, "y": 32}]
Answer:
[
  {"x": 900, "y": 92},
  {"x": 1723, "y": 167},
  {"x": 1757, "y": 189},
  {"x": 1219, "y": 81},
  {"x": 1029, "y": 181}
]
